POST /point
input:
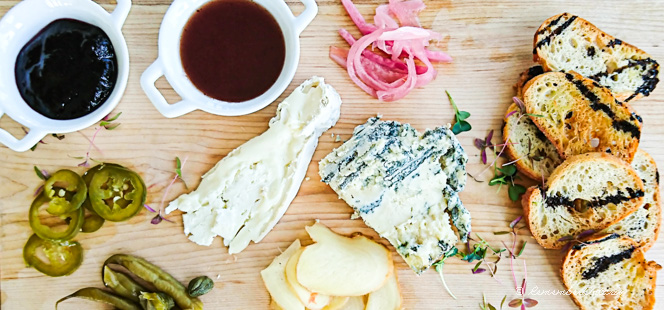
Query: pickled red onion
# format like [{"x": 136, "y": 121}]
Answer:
[{"x": 393, "y": 77}]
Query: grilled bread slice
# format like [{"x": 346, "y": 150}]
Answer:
[
  {"x": 580, "y": 116},
  {"x": 526, "y": 76},
  {"x": 533, "y": 153},
  {"x": 610, "y": 272},
  {"x": 643, "y": 225},
  {"x": 566, "y": 42},
  {"x": 588, "y": 191}
]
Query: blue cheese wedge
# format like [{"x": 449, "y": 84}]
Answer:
[
  {"x": 404, "y": 185},
  {"x": 247, "y": 192}
]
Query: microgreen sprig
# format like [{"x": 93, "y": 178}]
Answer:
[
  {"x": 506, "y": 177},
  {"x": 178, "y": 175},
  {"x": 107, "y": 122},
  {"x": 42, "y": 174},
  {"x": 460, "y": 117},
  {"x": 578, "y": 239},
  {"x": 439, "y": 268}
]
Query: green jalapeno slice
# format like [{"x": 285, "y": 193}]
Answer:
[
  {"x": 64, "y": 257},
  {"x": 116, "y": 193},
  {"x": 66, "y": 191},
  {"x": 74, "y": 222}
]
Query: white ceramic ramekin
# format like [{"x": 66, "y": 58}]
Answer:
[
  {"x": 169, "y": 64},
  {"x": 20, "y": 25}
]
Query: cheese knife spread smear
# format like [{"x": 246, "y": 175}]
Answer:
[{"x": 248, "y": 191}]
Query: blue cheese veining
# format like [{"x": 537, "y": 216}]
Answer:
[
  {"x": 404, "y": 185},
  {"x": 247, "y": 192}
]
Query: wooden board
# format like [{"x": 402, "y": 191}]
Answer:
[{"x": 491, "y": 42}]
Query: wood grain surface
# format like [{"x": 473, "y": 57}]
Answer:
[{"x": 491, "y": 42}]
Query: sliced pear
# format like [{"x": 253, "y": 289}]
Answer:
[
  {"x": 311, "y": 300},
  {"x": 354, "y": 303},
  {"x": 339, "y": 266},
  {"x": 274, "y": 278},
  {"x": 388, "y": 297},
  {"x": 337, "y": 303}
]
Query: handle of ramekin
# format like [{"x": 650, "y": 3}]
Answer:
[
  {"x": 304, "y": 19},
  {"x": 148, "y": 78},
  {"x": 21, "y": 145},
  {"x": 120, "y": 13}
]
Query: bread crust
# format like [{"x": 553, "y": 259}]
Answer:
[{"x": 650, "y": 268}]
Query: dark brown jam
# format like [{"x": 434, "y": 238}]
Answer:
[
  {"x": 67, "y": 70},
  {"x": 232, "y": 50}
]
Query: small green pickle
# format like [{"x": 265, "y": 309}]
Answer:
[
  {"x": 102, "y": 296},
  {"x": 200, "y": 286},
  {"x": 156, "y": 301},
  {"x": 161, "y": 280},
  {"x": 122, "y": 284}
]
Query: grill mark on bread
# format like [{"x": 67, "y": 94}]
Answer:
[
  {"x": 650, "y": 81},
  {"x": 552, "y": 23},
  {"x": 630, "y": 64},
  {"x": 558, "y": 199},
  {"x": 614, "y": 42},
  {"x": 601, "y": 264},
  {"x": 596, "y": 105},
  {"x": 556, "y": 32}
]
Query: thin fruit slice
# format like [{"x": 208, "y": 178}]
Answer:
[
  {"x": 337, "y": 303},
  {"x": 311, "y": 300},
  {"x": 274, "y": 278},
  {"x": 387, "y": 297},
  {"x": 341, "y": 266},
  {"x": 354, "y": 303}
]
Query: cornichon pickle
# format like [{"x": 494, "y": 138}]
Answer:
[{"x": 99, "y": 295}]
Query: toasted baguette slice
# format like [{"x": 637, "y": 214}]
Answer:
[
  {"x": 643, "y": 225},
  {"x": 610, "y": 272},
  {"x": 526, "y": 76},
  {"x": 579, "y": 116},
  {"x": 568, "y": 43},
  {"x": 588, "y": 191},
  {"x": 533, "y": 153}
]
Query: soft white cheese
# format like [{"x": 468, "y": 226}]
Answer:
[
  {"x": 248, "y": 191},
  {"x": 404, "y": 185}
]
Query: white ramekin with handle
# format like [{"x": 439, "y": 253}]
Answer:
[
  {"x": 169, "y": 63},
  {"x": 20, "y": 25}
]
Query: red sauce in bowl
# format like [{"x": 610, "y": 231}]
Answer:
[{"x": 232, "y": 50}]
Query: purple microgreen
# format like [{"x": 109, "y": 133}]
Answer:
[
  {"x": 149, "y": 208},
  {"x": 86, "y": 162},
  {"x": 516, "y": 221},
  {"x": 42, "y": 174},
  {"x": 515, "y": 303},
  {"x": 520, "y": 104},
  {"x": 112, "y": 118},
  {"x": 489, "y": 137},
  {"x": 479, "y": 143},
  {"x": 107, "y": 122},
  {"x": 479, "y": 270},
  {"x": 566, "y": 238},
  {"x": 460, "y": 125},
  {"x": 586, "y": 233},
  {"x": 178, "y": 175},
  {"x": 511, "y": 113},
  {"x": 529, "y": 302},
  {"x": 156, "y": 219},
  {"x": 522, "y": 248}
]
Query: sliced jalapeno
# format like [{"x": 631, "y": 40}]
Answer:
[
  {"x": 92, "y": 221},
  {"x": 116, "y": 193},
  {"x": 75, "y": 221},
  {"x": 66, "y": 191},
  {"x": 63, "y": 257},
  {"x": 99, "y": 295}
]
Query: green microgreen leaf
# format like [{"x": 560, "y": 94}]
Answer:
[
  {"x": 534, "y": 115},
  {"x": 504, "y": 232},
  {"x": 40, "y": 174},
  {"x": 509, "y": 170},
  {"x": 460, "y": 125},
  {"x": 515, "y": 191},
  {"x": 178, "y": 171},
  {"x": 522, "y": 248},
  {"x": 502, "y": 302},
  {"x": 439, "y": 268}
]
